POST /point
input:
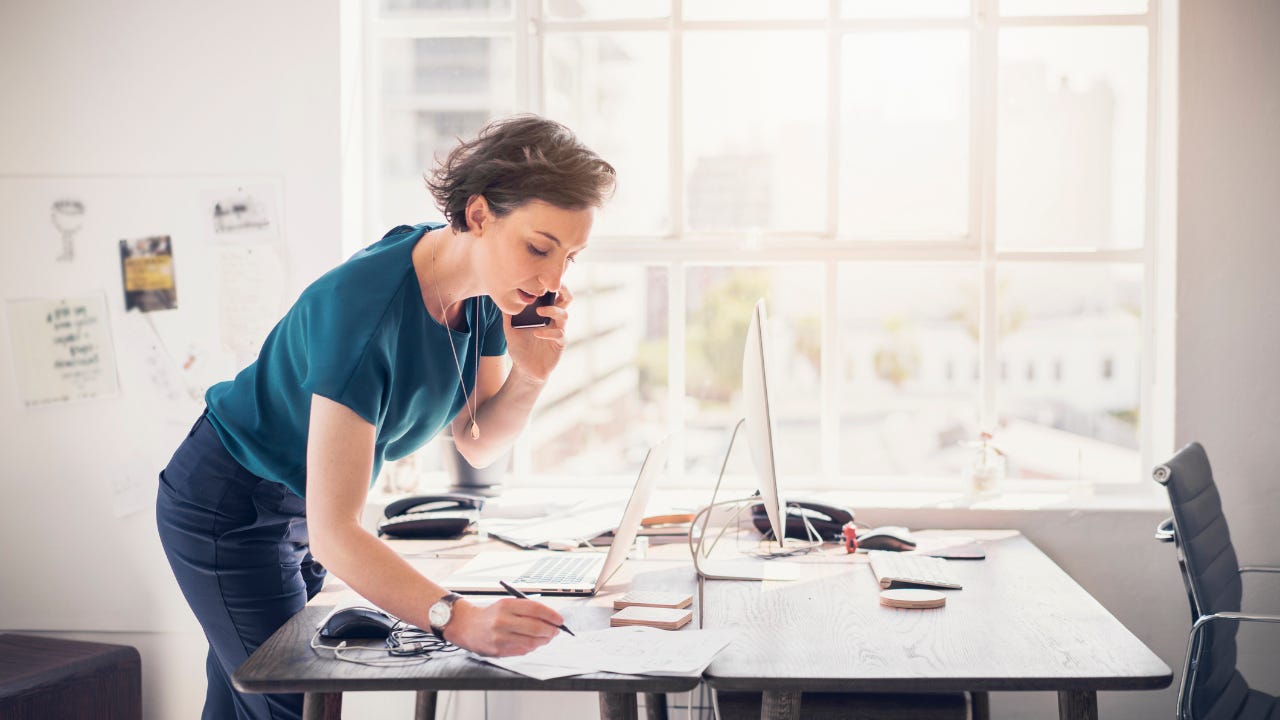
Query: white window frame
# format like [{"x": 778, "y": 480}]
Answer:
[{"x": 363, "y": 30}]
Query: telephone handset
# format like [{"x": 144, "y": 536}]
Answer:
[
  {"x": 445, "y": 515},
  {"x": 828, "y": 520}
]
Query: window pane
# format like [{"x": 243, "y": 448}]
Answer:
[
  {"x": 613, "y": 90},
  {"x": 753, "y": 9},
  {"x": 720, "y": 304},
  {"x": 1072, "y": 138},
  {"x": 904, "y": 8},
  {"x": 1070, "y": 371},
  {"x": 606, "y": 403},
  {"x": 755, "y": 139},
  {"x": 909, "y": 368},
  {"x": 1072, "y": 7},
  {"x": 435, "y": 90},
  {"x": 605, "y": 9},
  {"x": 447, "y": 8},
  {"x": 904, "y": 137}
]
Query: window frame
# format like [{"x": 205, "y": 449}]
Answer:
[{"x": 678, "y": 249}]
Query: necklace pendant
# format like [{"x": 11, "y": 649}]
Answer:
[{"x": 475, "y": 430}]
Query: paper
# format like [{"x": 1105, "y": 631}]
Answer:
[
  {"x": 624, "y": 650},
  {"x": 243, "y": 212},
  {"x": 133, "y": 489},
  {"x": 62, "y": 349},
  {"x": 250, "y": 284},
  {"x": 147, "y": 367}
]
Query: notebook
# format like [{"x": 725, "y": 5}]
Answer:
[
  {"x": 564, "y": 573},
  {"x": 574, "y": 527}
]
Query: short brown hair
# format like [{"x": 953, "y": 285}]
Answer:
[{"x": 518, "y": 159}]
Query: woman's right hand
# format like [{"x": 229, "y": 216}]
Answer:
[{"x": 506, "y": 627}]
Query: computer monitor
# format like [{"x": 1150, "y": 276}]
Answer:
[
  {"x": 759, "y": 432},
  {"x": 758, "y": 414}
]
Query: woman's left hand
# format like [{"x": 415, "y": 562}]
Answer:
[{"x": 535, "y": 352}]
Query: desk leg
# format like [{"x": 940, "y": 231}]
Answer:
[
  {"x": 618, "y": 706},
  {"x": 1077, "y": 705},
  {"x": 780, "y": 705},
  {"x": 979, "y": 706},
  {"x": 424, "y": 708},
  {"x": 655, "y": 706},
  {"x": 322, "y": 706}
]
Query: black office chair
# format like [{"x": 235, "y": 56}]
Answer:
[{"x": 1211, "y": 686}]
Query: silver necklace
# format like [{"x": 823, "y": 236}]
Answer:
[{"x": 475, "y": 330}]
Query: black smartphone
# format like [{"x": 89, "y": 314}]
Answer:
[{"x": 529, "y": 317}]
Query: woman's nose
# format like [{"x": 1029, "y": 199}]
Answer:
[{"x": 550, "y": 279}]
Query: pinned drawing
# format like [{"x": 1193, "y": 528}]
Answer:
[
  {"x": 68, "y": 217},
  {"x": 147, "y": 268},
  {"x": 62, "y": 349},
  {"x": 240, "y": 212}
]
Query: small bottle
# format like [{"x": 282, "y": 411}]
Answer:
[{"x": 641, "y": 548}]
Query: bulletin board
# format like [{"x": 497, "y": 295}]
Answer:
[{"x": 123, "y": 299}]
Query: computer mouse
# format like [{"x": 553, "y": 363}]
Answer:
[
  {"x": 888, "y": 537},
  {"x": 358, "y": 622}
]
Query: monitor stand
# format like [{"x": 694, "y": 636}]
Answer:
[{"x": 732, "y": 568}]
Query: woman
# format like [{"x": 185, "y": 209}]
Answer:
[{"x": 373, "y": 360}]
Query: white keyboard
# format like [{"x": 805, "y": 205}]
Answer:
[{"x": 890, "y": 567}]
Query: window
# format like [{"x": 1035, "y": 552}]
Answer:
[{"x": 935, "y": 197}]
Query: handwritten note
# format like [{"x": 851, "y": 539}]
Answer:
[{"x": 62, "y": 349}]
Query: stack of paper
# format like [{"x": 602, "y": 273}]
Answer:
[{"x": 625, "y": 650}]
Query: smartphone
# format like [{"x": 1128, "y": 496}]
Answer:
[{"x": 529, "y": 317}]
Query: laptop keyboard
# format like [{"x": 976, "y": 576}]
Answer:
[{"x": 558, "y": 570}]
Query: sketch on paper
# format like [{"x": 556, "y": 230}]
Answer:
[
  {"x": 62, "y": 349},
  {"x": 629, "y": 650},
  {"x": 147, "y": 268},
  {"x": 67, "y": 215},
  {"x": 240, "y": 211}
]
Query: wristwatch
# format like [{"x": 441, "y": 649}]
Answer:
[{"x": 441, "y": 612}]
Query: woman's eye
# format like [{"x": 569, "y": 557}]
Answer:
[{"x": 533, "y": 249}]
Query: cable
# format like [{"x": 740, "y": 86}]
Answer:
[{"x": 405, "y": 645}]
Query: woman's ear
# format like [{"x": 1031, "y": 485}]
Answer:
[{"x": 478, "y": 214}]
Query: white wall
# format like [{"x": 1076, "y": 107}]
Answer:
[
  {"x": 241, "y": 88},
  {"x": 1228, "y": 299},
  {"x": 147, "y": 87}
]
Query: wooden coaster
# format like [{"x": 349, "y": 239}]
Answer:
[
  {"x": 912, "y": 598},
  {"x": 661, "y": 618}
]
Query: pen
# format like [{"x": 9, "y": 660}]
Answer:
[{"x": 522, "y": 596}]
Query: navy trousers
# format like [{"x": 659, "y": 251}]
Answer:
[{"x": 238, "y": 546}]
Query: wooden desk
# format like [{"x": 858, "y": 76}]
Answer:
[
  {"x": 285, "y": 663},
  {"x": 1019, "y": 624}
]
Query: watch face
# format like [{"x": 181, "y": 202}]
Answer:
[{"x": 439, "y": 614}]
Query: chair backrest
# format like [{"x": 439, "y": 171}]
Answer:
[{"x": 1212, "y": 575}]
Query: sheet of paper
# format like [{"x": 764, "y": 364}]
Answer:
[
  {"x": 133, "y": 488},
  {"x": 62, "y": 349},
  {"x": 250, "y": 291},
  {"x": 624, "y": 650}
]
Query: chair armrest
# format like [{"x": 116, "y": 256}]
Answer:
[
  {"x": 1259, "y": 568},
  {"x": 1243, "y": 617},
  {"x": 1187, "y": 684}
]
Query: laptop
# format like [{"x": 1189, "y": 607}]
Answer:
[{"x": 563, "y": 573}]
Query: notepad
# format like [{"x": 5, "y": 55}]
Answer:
[
  {"x": 661, "y": 618},
  {"x": 653, "y": 598}
]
